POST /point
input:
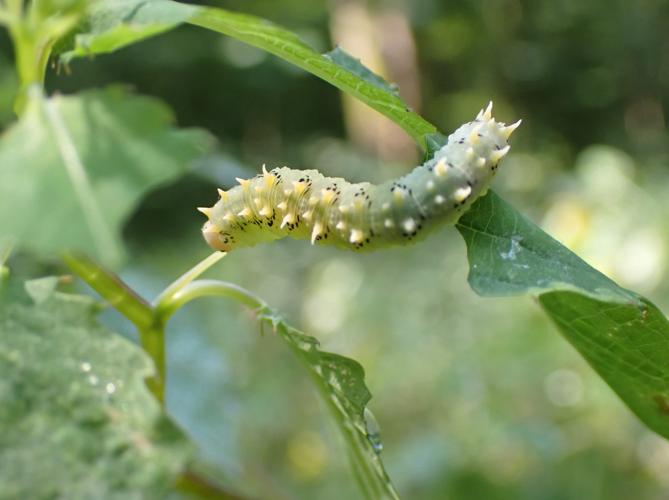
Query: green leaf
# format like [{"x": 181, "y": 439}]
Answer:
[
  {"x": 622, "y": 335},
  {"x": 288, "y": 46},
  {"x": 76, "y": 420},
  {"x": 341, "y": 383},
  {"x": 109, "y": 31},
  {"x": 74, "y": 167},
  {"x": 113, "y": 24},
  {"x": 346, "y": 61},
  {"x": 627, "y": 344},
  {"x": 509, "y": 255},
  {"x": 433, "y": 143}
]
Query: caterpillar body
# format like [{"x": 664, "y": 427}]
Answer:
[{"x": 304, "y": 204}]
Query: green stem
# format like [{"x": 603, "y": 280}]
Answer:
[
  {"x": 119, "y": 295},
  {"x": 34, "y": 34},
  {"x": 31, "y": 55},
  {"x": 207, "y": 288},
  {"x": 152, "y": 340},
  {"x": 24, "y": 53},
  {"x": 150, "y": 321},
  {"x": 187, "y": 277}
]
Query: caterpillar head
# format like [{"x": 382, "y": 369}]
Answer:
[{"x": 213, "y": 238}]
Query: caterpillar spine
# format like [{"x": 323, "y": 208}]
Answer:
[{"x": 304, "y": 204}]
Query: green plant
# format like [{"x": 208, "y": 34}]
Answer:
[{"x": 63, "y": 189}]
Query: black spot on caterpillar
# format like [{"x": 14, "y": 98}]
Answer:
[{"x": 306, "y": 205}]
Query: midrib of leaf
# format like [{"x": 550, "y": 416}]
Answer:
[{"x": 101, "y": 231}]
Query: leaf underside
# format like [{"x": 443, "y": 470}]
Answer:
[
  {"x": 73, "y": 168},
  {"x": 76, "y": 420}
]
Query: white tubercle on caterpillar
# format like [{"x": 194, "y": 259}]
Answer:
[{"x": 304, "y": 204}]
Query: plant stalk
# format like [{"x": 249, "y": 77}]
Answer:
[
  {"x": 152, "y": 340},
  {"x": 119, "y": 295},
  {"x": 151, "y": 320},
  {"x": 207, "y": 288}
]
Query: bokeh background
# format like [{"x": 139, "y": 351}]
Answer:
[{"x": 476, "y": 398}]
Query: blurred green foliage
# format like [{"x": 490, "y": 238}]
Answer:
[
  {"x": 88, "y": 213},
  {"x": 476, "y": 398}
]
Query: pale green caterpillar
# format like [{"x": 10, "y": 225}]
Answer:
[{"x": 306, "y": 205}]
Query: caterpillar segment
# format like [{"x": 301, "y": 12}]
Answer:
[{"x": 304, "y": 204}]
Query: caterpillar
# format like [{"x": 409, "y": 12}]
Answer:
[{"x": 304, "y": 204}]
